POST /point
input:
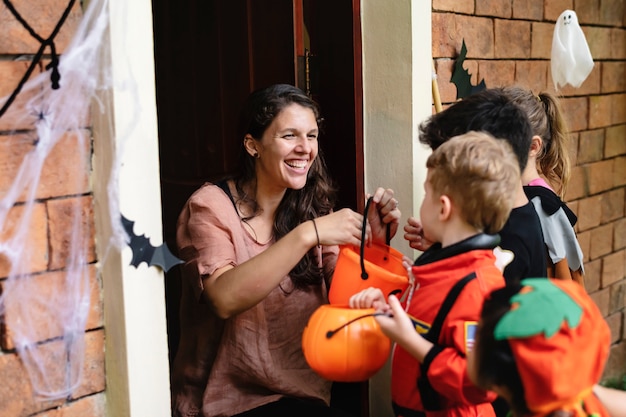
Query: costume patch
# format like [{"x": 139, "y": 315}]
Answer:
[
  {"x": 470, "y": 335},
  {"x": 420, "y": 326}
]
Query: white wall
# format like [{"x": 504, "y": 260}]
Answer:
[{"x": 397, "y": 78}]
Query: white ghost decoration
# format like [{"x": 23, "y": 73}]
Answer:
[{"x": 571, "y": 60}]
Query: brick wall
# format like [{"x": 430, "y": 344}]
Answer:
[
  {"x": 64, "y": 185},
  {"x": 509, "y": 42}
]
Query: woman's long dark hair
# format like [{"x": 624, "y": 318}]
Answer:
[{"x": 315, "y": 199}]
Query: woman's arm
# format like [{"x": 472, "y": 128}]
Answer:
[{"x": 612, "y": 399}]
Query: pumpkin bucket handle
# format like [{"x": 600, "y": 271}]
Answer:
[
  {"x": 364, "y": 274},
  {"x": 331, "y": 333}
]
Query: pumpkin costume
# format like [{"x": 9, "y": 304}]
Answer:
[{"x": 560, "y": 342}]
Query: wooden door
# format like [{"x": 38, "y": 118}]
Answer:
[{"x": 209, "y": 55}]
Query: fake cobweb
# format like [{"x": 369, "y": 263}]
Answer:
[{"x": 50, "y": 291}]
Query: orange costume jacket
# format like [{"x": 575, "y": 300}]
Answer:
[{"x": 442, "y": 379}]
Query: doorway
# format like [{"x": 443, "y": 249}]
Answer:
[{"x": 209, "y": 55}]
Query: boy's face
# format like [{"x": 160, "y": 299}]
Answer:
[{"x": 429, "y": 211}]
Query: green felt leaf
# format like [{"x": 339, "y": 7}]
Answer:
[{"x": 541, "y": 310}]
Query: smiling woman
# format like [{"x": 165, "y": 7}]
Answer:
[{"x": 259, "y": 249}]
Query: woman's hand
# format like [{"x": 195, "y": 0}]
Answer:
[
  {"x": 382, "y": 212},
  {"x": 341, "y": 227},
  {"x": 414, "y": 234}
]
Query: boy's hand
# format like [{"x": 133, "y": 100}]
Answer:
[
  {"x": 414, "y": 234},
  {"x": 370, "y": 298}
]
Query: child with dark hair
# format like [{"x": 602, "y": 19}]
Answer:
[
  {"x": 492, "y": 111},
  {"x": 542, "y": 345}
]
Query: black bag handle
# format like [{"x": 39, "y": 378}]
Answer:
[{"x": 364, "y": 274}]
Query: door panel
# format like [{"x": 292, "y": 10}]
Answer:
[{"x": 209, "y": 55}]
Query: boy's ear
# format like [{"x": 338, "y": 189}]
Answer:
[
  {"x": 535, "y": 145},
  {"x": 445, "y": 207}
]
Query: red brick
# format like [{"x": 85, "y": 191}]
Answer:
[
  {"x": 601, "y": 242},
  {"x": 35, "y": 255},
  {"x": 613, "y": 207},
  {"x": 612, "y": 12},
  {"x": 541, "y": 38},
  {"x": 613, "y": 77},
  {"x": 532, "y": 74},
  {"x": 601, "y": 298},
  {"x": 589, "y": 213},
  {"x": 67, "y": 167},
  {"x": 37, "y": 306},
  {"x": 613, "y": 267},
  {"x": 576, "y": 188},
  {"x": 459, "y": 6},
  {"x": 618, "y": 109},
  {"x": 63, "y": 214},
  {"x": 619, "y": 234},
  {"x": 588, "y": 12},
  {"x": 615, "y": 364},
  {"x": 43, "y": 19},
  {"x": 93, "y": 380},
  {"x": 615, "y": 143},
  {"x": 618, "y": 295},
  {"x": 593, "y": 275},
  {"x": 530, "y": 10},
  {"x": 618, "y": 43},
  {"x": 619, "y": 169},
  {"x": 494, "y": 8},
  {"x": 600, "y": 111},
  {"x": 572, "y": 146},
  {"x": 575, "y": 110},
  {"x": 498, "y": 73},
  {"x": 554, "y": 8},
  {"x": 18, "y": 116},
  {"x": 591, "y": 146},
  {"x": 478, "y": 35},
  {"x": 508, "y": 45},
  {"x": 92, "y": 406},
  {"x": 600, "y": 176},
  {"x": 615, "y": 324},
  {"x": 14, "y": 396},
  {"x": 599, "y": 41}
]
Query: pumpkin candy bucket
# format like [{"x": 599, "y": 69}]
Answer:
[
  {"x": 378, "y": 266},
  {"x": 344, "y": 344}
]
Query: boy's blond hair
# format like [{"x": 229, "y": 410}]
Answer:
[{"x": 480, "y": 175}]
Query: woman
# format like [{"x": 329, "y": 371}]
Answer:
[{"x": 259, "y": 251}]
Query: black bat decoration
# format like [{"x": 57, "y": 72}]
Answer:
[
  {"x": 462, "y": 78},
  {"x": 143, "y": 251}
]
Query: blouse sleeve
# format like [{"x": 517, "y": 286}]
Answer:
[{"x": 205, "y": 236}]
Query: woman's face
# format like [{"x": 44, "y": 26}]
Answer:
[{"x": 287, "y": 149}]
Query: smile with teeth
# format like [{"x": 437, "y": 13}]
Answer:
[{"x": 297, "y": 164}]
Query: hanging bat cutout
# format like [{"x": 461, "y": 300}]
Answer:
[
  {"x": 143, "y": 251},
  {"x": 462, "y": 78}
]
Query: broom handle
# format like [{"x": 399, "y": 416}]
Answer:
[{"x": 436, "y": 98}]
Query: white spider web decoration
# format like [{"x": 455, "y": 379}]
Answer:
[{"x": 47, "y": 320}]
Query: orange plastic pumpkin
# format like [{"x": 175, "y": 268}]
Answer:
[
  {"x": 344, "y": 344},
  {"x": 381, "y": 267}
]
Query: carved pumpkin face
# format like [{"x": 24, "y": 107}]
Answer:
[{"x": 344, "y": 344}]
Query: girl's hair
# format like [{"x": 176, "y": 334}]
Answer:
[
  {"x": 315, "y": 199},
  {"x": 546, "y": 118}
]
